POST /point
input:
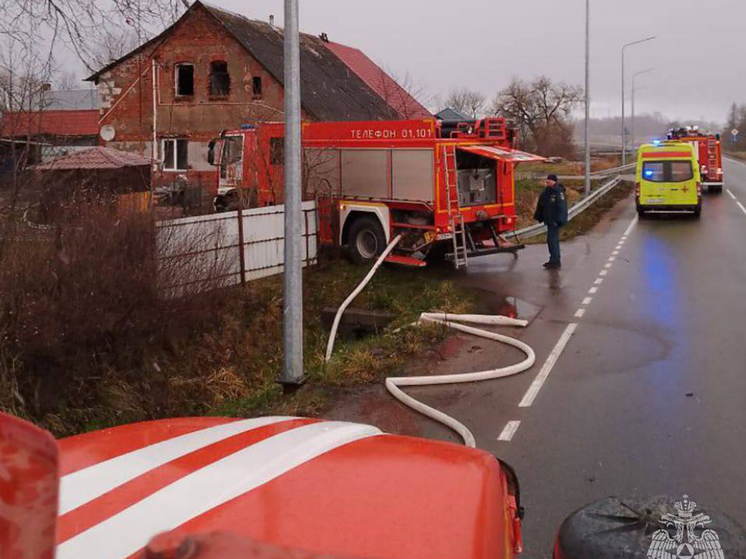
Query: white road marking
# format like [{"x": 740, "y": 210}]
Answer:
[
  {"x": 541, "y": 378},
  {"x": 593, "y": 290},
  {"x": 741, "y": 206},
  {"x": 579, "y": 313},
  {"x": 612, "y": 258},
  {"x": 83, "y": 486},
  {"x": 631, "y": 226},
  {"x": 507, "y": 433},
  {"x": 124, "y": 533},
  {"x": 587, "y": 301},
  {"x": 615, "y": 253},
  {"x": 604, "y": 272},
  {"x": 730, "y": 193},
  {"x": 607, "y": 265}
]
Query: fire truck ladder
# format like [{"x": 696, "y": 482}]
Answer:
[
  {"x": 455, "y": 217},
  {"x": 712, "y": 158}
]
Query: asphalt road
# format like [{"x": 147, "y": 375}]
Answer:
[{"x": 649, "y": 395}]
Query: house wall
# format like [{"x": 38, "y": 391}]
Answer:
[{"x": 126, "y": 93}]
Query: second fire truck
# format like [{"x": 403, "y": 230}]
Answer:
[
  {"x": 708, "y": 151},
  {"x": 432, "y": 183}
]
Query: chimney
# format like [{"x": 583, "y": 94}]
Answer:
[{"x": 271, "y": 20}]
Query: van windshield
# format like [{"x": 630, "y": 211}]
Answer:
[{"x": 667, "y": 171}]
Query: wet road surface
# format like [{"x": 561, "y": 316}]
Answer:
[{"x": 649, "y": 395}]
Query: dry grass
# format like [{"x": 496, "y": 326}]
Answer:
[{"x": 87, "y": 342}]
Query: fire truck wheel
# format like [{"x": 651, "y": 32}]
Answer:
[{"x": 366, "y": 241}]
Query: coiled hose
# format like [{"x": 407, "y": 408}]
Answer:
[{"x": 394, "y": 384}]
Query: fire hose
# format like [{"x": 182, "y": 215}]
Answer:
[{"x": 394, "y": 384}]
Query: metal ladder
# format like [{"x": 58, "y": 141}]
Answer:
[
  {"x": 712, "y": 158},
  {"x": 455, "y": 217}
]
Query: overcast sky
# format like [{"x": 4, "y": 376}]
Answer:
[{"x": 482, "y": 44}]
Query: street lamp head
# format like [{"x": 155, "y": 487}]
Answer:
[{"x": 645, "y": 40}]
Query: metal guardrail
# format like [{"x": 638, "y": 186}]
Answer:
[
  {"x": 576, "y": 210},
  {"x": 598, "y": 174}
]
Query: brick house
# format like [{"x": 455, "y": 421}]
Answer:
[{"x": 214, "y": 70}]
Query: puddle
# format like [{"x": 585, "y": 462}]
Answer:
[{"x": 517, "y": 308}]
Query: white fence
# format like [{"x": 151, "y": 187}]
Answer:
[{"x": 197, "y": 254}]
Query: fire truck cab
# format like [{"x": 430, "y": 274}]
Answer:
[
  {"x": 330, "y": 488},
  {"x": 427, "y": 181},
  {"x": 708, "y": 152}
]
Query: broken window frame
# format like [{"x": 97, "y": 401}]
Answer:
[
  {"x": 177, "y": 70},
  {"x": 175, "y": 152},
  {"x": 213, "y": 77},
  {"x": 256, "y": 87}
]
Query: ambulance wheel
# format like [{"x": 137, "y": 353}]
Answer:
[
  {"x": 641, "y": 213},
  {"x": 698, "y": 212},
  {"x": 366, "y": 241}
]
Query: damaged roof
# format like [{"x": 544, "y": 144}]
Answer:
[{"x": 330, "y": 89}]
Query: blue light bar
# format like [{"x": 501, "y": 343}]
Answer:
[{"x": 248, "y": 126}]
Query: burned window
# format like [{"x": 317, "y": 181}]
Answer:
[
  {"x": 277, "y": 151},
  {"x": 256, "y": 87},
  {"x": 220, "y": 80},
  {"x": 175, "y": 154},
  {"x": 184, "y": 79}
]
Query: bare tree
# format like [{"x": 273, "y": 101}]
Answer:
[
  {"x": 541, "y": 110},
  {"x": 467, "y": 101},
  {"x": 24, "y": 74},
  {"x": 67, "y": 81},
  {"x": 113, "y": 44},
  {"x": 81, "y": 24}
]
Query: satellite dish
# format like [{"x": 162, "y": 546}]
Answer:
[{"x": 107, "y": 133}]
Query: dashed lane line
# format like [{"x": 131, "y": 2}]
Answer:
[
  {"x": 541, "y": 378},
  {"x": 509, "y": 431}
]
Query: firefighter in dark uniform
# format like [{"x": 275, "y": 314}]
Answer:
[{"x": 552, "y": 212}]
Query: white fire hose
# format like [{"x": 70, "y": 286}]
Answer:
[
  {"x": 358, "y": 289},
  {"x": 393, "y": 384}
]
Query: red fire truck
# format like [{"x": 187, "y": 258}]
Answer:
[
  {"x": 709, "y": 153},
  {"x": 428, "y": 181},
  {"x": 333, "y": 489}
]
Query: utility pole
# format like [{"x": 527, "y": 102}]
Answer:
[
  {"x": 292, "y": 375},
  {"x": 634, "y": 89},
  {"x": 587, "y": 96},
  {"x": 624, "y": 130}
]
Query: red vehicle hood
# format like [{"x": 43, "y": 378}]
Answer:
[{"x": 326, "y": 487}]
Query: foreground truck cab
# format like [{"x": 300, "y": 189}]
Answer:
[
  {"x": 329, "y": 488},
  {"x": 428, "y": 182}
]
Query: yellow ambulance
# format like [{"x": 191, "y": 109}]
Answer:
[{"x": 668, "y": 179}]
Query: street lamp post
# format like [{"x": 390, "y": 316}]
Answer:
[
  {"x": 292, "y": 375},
  {"x": 587, "y": 96},
  {"x": 634, "y": 89},
  {"x": 624, "y": 130}
]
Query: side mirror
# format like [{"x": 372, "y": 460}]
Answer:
[{"x": 211, "y": 152}]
